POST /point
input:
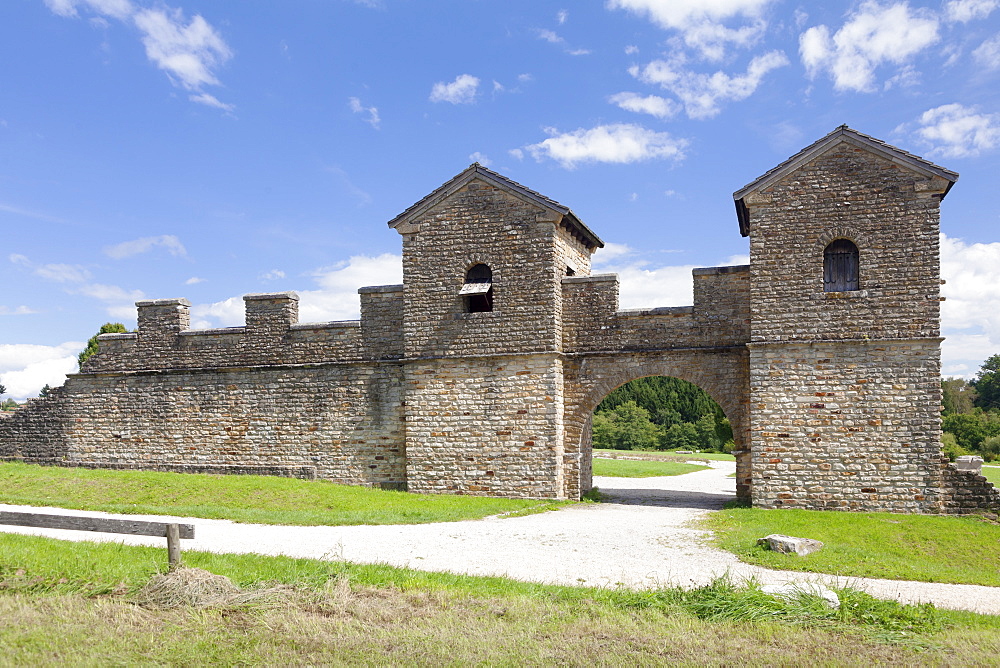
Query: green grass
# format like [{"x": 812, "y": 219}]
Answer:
[
  {"x": 992, "y": 473},
  {"x": 256, "y": 499},
  {"x": 669, "y": 455},
  {"x": 70, "y": 603},
  {"x": 927, "y": 548},
  {"x": 631, "y": 468}
]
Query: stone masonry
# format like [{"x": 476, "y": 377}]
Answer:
[{"x": 480, "y": 373}]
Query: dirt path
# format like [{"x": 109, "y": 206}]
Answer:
[{"x": 641, "y": 537}]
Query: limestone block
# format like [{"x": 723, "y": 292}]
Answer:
[{"x": 777, "y": 542}]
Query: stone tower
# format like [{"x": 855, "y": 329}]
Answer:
[
  {"x": 845, "y": 337},
  {"x": 483, "y": 263}
]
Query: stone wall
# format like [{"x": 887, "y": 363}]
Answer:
[
  {"x": 966, "y": 492},
  {"x": 890, "y": 212},
  {"x": 846, "y": 425},
  {"x": 481, "y": 224},
  {"x": 845, "y": 385},
  {"x": 833, "y": 396},
  {"x": 341, "y": 421},
  {"x": 486, "y": 425}
]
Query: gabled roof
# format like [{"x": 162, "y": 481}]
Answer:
[
  {"x": 477, "y": 171},
  {"x": 842, "y": 134}
]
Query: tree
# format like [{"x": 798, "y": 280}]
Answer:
[
  {"x": 106, "y": 328},
  {"x": 987, "y": 384},
  {"x": 627, "y": 427},
  {"x": 45, "y": 391},
  {"x": 971, "y": 429},
  {"x": 957, "y": 395},
  {"x": 681, "y": 436},
  {"x": 3, "y": 389}
]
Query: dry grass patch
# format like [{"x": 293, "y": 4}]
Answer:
[
  {"x": 345, "y": 625},
  {"x": 77, "y": 604}
]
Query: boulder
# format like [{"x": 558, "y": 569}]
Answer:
[
  {"x": 972, "y": 463},
  {"x": 791, "y": 590},
  {"x": 790, "y": 544}
]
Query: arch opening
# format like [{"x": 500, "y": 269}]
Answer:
[{"x": 645, "y": 430}]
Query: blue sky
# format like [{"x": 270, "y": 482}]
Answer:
[{"x": 209, "y": 149}]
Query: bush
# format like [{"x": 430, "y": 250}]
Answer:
[
  {"x": 990, "y": 448},
  {"x": 951, "y": 448}
]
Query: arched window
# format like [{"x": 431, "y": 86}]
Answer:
[
  {"x": 840, "y": 266},
  {"x": 478, "y": 289}
]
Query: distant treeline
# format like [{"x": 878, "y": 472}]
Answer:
[
  {"x": 661, "y": 413},
  {"x": 971, "y": 415}
]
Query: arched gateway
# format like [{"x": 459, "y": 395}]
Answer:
[{"x": 480, "y": 373}]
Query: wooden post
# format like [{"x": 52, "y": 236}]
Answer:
[
  {"x": 174, "y": 545},
  {"x": 173, "y": 532}
]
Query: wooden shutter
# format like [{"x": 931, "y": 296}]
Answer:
[{"x": 840, "y": 267}]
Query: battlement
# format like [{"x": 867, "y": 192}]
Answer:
[
  {"x": 720, "y": 315},
  {"x": 272, "y": 335}
]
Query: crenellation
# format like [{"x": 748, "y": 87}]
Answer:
[{"x": 480, "y": 373}]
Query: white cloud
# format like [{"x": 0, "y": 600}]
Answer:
[
  {"x": 273, "y": 275},
  {"x": 964, "y": 11},
  {"x": 189, "y": 54},
  {"x": 337, "y": 296},
  {"x": 701, "y": 93},
  {"x": 553, "y": 38},
  {"x": 481, "y": 158},
  {"x": 561, "y": 16},
  {"x": 956, "y": 131},
  {"x": 610, "y": 253},
  {"x": 550, "y": 37},
  {"x": 226, "y": 313},
  {"x": 65, "y": 8},
  {"x": 211, "y": 101},
  {"x": 144, "y": 244},
  {"x": 702, "y": 22},
  {"x": 987, "y": 54},
  {"x": 109, "y": 293},
  {"x": 19, "y": 310},
  {"x": 651, "y": 288},
  {"x": 62, "y": 273},
  {"x": 119, "y": 9},
  {"x": 618, "y": 143},
  {"x": 631, "y": 50},
  {"x": 876, "y": 34},
  {"x": 970, "y": 315},
  {"x": 460, "y": 91},
  {"x": 372, "y": 112},
  {"x": 26, "y": 368},
  {"x": 117, "y": 300},
  {"x": 194, "y": 280},
  {"x": 335, "y": 299},
  {"x": 651, "y": 104}
]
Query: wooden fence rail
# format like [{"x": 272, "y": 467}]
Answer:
[{"x": 172, "y": 532}]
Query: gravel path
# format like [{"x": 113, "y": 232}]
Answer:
[{"x": 641, "y": 537}]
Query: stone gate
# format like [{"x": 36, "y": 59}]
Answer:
[{"x": 480, "y": 373}]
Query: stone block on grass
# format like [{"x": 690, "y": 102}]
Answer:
[{"x": 777, "y": 542}]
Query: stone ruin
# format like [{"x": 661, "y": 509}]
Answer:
[{"x": 480, "y": 373}]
